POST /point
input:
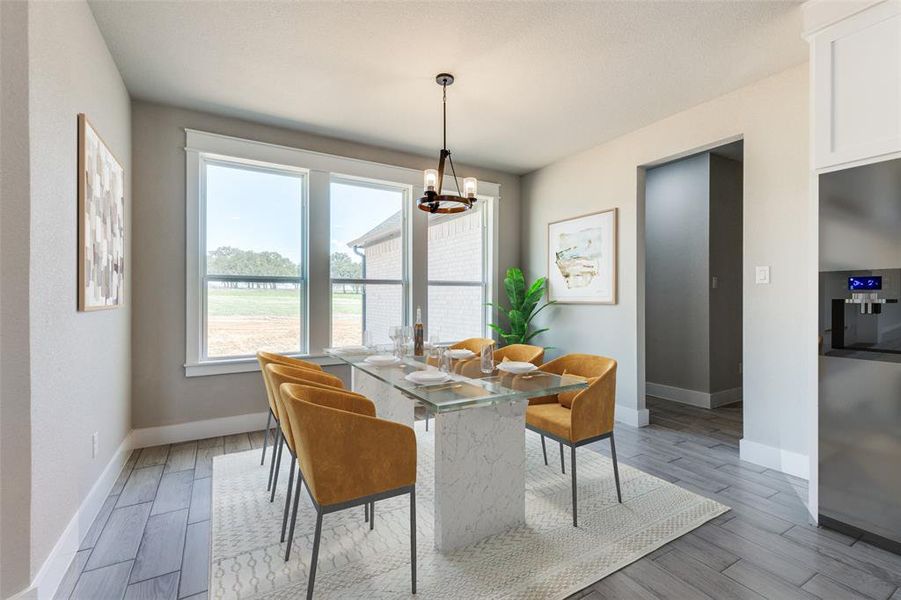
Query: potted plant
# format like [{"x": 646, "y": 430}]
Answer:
[{"x": 523, "y": 307}]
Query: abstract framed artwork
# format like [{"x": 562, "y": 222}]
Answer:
[
  {"x": 101, "y": 222},
  {"x": 582, "y": 259}
]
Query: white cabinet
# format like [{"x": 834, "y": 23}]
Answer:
[{"x": 856, "y": 66}]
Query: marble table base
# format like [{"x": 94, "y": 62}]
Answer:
[
  {"x": 389, "y": 402},
  {"x": 479, "y": 473}
]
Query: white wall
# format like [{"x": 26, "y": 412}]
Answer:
[
  {"x": 81, "y": 361},
  {"x": 15, "y": 404},
  {"x": 779, "y": 331}
]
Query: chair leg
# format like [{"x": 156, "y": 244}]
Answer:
[
  {"x": 266, "y": 436},
  {"x": 619, "y": 494},
  {"x": 294, "y": 520},
  {"x": 315, "y": 556},
  {"x": 366, "y": 513},
  {"x": 275, "y": 441},
  {"x": 413, "y": 536},
  {"x": 288, "y": 499},
  {"x": 544, "y": 450},
  {"x": 562, "y": 464},
  {"x": 426, "y": 428},
  {"x": 572, "y": 468},
  {"x": 372, "y": 515},
  {"x": 278, "y": 465}
]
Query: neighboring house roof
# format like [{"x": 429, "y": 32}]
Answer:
[
  {"x": 390, "y": 229},
  {"x": 386, "y": 230}
]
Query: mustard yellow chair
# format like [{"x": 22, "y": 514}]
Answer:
[
  {"x": 580, "y": 417},
  {"x": 347, "y": 457},
  {"x": 270, "y": 357},
  {"x": 521, "y": 353},
  {"x": 313, "y": 373},
  {"x": 514, "y": 352},
  {"x": 278, "y": 374},
  {"x": 472, "y": 344}
]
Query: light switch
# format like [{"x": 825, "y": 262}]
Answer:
[{"x": 762, "y": 275}]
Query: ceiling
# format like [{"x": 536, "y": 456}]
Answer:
[{"x": 536, "y": 81}]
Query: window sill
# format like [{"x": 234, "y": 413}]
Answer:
[{"x": 247, "y": 365}]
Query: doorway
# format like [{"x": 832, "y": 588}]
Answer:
[{"x": 693, "y": 291}]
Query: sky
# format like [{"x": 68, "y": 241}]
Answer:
[{"x": 261, "y": 211}]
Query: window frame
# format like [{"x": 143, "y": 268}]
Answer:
[
  {"x": 488, "y": 264},
  {"x": 319, "y": 170},
  {"x": 405, "y": 224}
]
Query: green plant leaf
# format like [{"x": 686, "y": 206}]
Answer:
[
  {"x": 534, "y": 333},
  {"x": 534, "y": 314},
  {"x": 514, "y": 285}
]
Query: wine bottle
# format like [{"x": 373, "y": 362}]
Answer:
[{"x": 418, "y": 345}]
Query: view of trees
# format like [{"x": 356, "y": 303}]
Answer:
[
  {"x": 227, "y": 260},
  {"x": 343, "y": 267}
]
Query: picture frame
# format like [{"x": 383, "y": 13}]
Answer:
[
  {"x": 582, "y": 258},
  {"x": 101, "y": 222}
]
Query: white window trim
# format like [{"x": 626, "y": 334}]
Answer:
[{"x": 319, "y": 168}]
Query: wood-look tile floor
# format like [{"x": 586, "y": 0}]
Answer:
[{"x": 151, "y": 540}]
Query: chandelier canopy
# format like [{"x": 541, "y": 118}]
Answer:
[{"x": 435, "y": 200}]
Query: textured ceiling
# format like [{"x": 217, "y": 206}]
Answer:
[{"x": 536, "y": 81}]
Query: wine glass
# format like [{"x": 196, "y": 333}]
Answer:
[
  {"x": 486, "y": 360},
  {"x": 394, "y": 332},
  {"x": 367, "y": 339}
]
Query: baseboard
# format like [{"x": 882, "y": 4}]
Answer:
[
  {"x": 632, "y": 416},
  {"x": 775, "y": 458},
  {"x": 693, "y": 397},
  {"x": 198, "y": 430},
  {"x": 54, "y": 568}
]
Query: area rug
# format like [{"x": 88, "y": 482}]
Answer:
[{"x": 546, "y": 558}]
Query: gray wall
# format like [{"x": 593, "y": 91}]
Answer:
[
  {"x": 162, "y": 395},
  {"x": 15, "y": 401},
  {"x": 693, "y": 233},
  {"x": 677, "y": 315},
  {"x": 81, "y": 366},
  {"x": 726, "y": 266}
]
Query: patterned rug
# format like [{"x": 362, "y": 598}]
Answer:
[{"x": 547, "y": 558}]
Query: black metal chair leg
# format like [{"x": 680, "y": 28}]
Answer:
[
  {"x": 266, "y": 436},
  {"x": 575, "y": 487},
  {"x": 372, "y": 515},
  {"x": 619, "y": 494},
  {"x": 294, "y": 519},
  {"x": 278, "y": 465},
  {"x": 315, "y": 556},
  {"x": 366, "y": 513},
  {"x": 288, "y": 499},
  {"x": 413, "y": 535},
  {"x": 275, "y": 440},
  {"x": 426, "y": 428},
  {"x": 562, "y": 464},
  {"x": 544, "y": 450}
]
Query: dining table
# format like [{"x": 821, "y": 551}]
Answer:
[{"x": 479, "y": 434}]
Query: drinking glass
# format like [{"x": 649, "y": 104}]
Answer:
[
  {"x": 444, "y": 361},
  {"x": 407, "y": 339},
  {"x": 394, "y": 332},
  {"x": 486, "y": 361}
]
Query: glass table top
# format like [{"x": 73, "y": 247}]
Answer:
[{"x": 468, "y": 386}]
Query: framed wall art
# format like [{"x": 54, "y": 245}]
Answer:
[
  {"x": 582, "y": 259},
  {"x": 101, "y": 222}
]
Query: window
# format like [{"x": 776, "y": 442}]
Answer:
[
  {"x": 253, "y": 282},
  {"x": 457, "y": 258},
  {"x": 294, "y": 251},
  {"x": 368, "y": 259}
]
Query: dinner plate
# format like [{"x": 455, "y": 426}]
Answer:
[
  {"x": 381, "y": 360},
  {"x": 427, "y": 377},
  {"x": 459, "y": 353},
  {"x": 516, "y": 367}
]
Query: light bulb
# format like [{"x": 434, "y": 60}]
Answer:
[
  {"x": 430, "y": 179},
  {"x": 470, "y": 187}
]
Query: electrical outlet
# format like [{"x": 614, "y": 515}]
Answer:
[
  {"x": 715, "y": 282},
  {"x": 95, "y": 443},
  {"x": 762, "y": 275}
]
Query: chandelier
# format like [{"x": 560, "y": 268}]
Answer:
[{"x": 434, "y": 200}]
